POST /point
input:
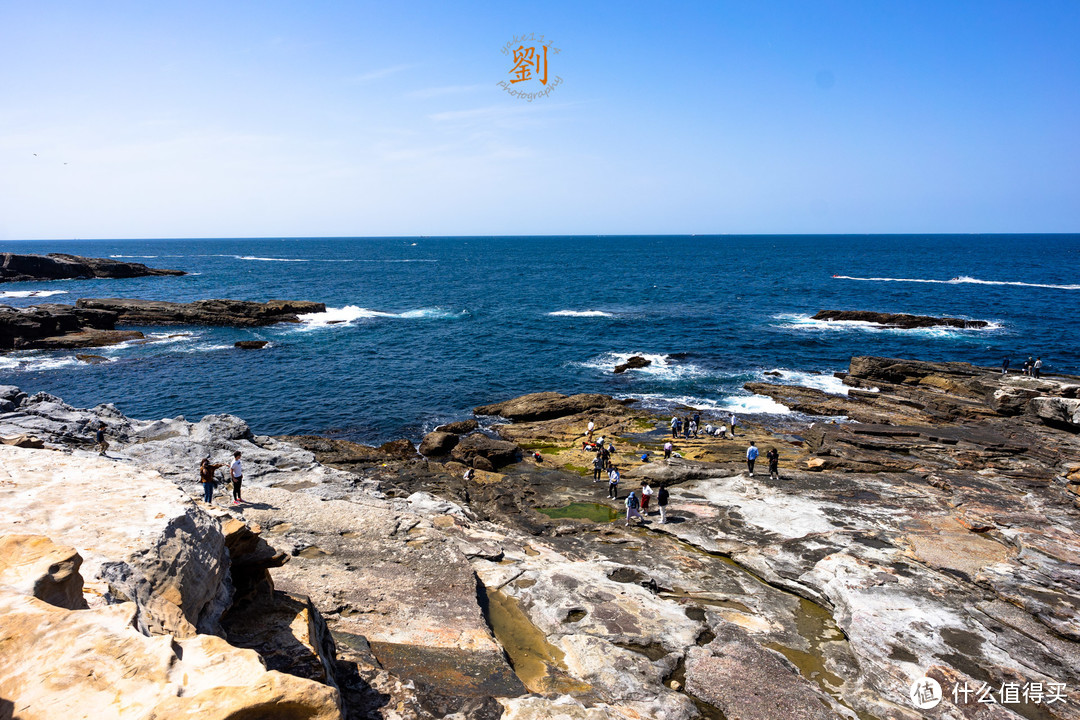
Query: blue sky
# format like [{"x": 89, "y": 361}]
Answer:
[{"x": 256, "y": 119}]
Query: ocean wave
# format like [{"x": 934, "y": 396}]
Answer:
[
  {"x": 206, "y": 347},
  {"x": 961, "y": 280},
  {"x": 269, "y": 259},
  {"x": 661, "y": 367},
  {"x": 31, "y": 293},
  {"x": 796, "y": 321},
  {"x": 580, "y": 313},
  {"x": 37, "y": 363},
  {"x": 145, "y": 257},
  {"x": 738, "y": 404},
  {"x": 351, "y": 313},
  {"x": 826, "y": 382}
]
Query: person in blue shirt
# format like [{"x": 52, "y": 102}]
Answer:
[{"x": 751, "y": 456}]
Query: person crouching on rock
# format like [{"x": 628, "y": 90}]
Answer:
[
  {"x": 206, "y": 477},
  {"x": 236, "y": 470},
  {"x": 632, "y": 508}
]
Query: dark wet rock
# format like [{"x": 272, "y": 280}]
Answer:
[
  {"x": 497, "y": 453},
  {"x": 251, "y": 344},
  {"x": 633, "y": 363},
  {"x": 547, "y": 406},
  {"x": 398, "y": 449},
  {"x": 899, "y": 320},
  {"x": 232, "y": 313},
  {"x": 60, "y": 266},
  {"x": 438, "y": 443},
  {"x": 91, "y": 359},
  {"x": 461, "y": 427},
  {"x": 54, "y": 326}
]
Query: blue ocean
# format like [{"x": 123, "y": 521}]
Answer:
[{"x": 420, "y": 330}]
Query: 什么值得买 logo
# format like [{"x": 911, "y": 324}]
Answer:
[{"x": 531, "y": 75}]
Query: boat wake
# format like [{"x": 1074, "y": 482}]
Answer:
[{"x": 962, "y": 280}]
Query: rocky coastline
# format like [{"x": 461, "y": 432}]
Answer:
[
  {"x": 926, "y": 523},
  {"x": 61, "y": 266},
  {"x": 92, "y": 322}
]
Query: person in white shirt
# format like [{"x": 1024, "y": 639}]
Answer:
[
  {"x": 589, "y": 430},
  {"x": 236, "y": 470}
]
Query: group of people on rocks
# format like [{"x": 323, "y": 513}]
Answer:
[
  {"x": 207, "y": 477},
  {"x": 688, "y": 427},
  {"x": 1032, "y": 367},
  {"x": 637, "y": 503}
]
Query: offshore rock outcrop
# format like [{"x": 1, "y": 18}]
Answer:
[
  {"x": 53, "y": 326},
  {"x": 232, "y": 313},
  {"x": 60, "y": 266},
  {"x": 898, "y": 320}
]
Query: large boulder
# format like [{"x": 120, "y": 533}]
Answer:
[
  {"x": 461, "y": 427},
  {"x": 35, "y": 565},
  {"x": 497, "y": 453},
  {"x": 94, "y": 663},
  {"x": 1009, "y": 400},
  {"x": 1055, "y": 410},
  {"x": 60, "y": 266},
  {"x": 547, "y": 405},
  {"x": 141, "y": 537},
  {"x": 438, "y": 443}
]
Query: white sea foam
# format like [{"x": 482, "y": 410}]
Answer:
[
  {"x": 37, "y": 363},
  {"x": 580, "y": 313},
  {"x": 961, "y": 280},
  {"x": 739, "y": 404},
  {"x": 352, "y": 313},
  {"x": 269, "y": 259},
  {"x": 795, "y": 321},
  {"x": 31, "y": 293},
  {"x": 661, "y": 367},
  {"x": 145, "y": 257},
  {"x": 826, "y": 382}
]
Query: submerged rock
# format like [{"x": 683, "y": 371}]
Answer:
[
  {"x": 251, "y": 344},
  {"x": 633, "y": 363}
]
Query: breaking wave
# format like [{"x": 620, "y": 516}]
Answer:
[
  {"x": 352, "y": 313},
  {"x": 31, "y": 293},
  {"x": 796, "y": 321},
  {"x": 661, "y": 367},
  {"x": 961, "y": 280},
  {"x": 580, "y": 313}
]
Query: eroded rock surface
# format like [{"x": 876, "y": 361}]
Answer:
[
  {"x": 60, "y": 266},
  {"x": 234, "y": 313}
]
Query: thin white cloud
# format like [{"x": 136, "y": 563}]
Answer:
[
  {"x": 379, "y": 74},
  {"x": 446, "y": 90}
]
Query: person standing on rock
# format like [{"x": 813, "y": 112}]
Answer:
[
  {"x": 613, "y": 483},
  {"x": 661, "y": 502},
  {"x": 1005, "y": 366},
  {"x": 206, "y": 477},
  {"x": 734, "y": 421},
  {"x": 1036, "y": 369},
  {"x": 99, "y": 438},
  {"x": 236, "y": 471},
  {"x": 597, "y": 467},
  {"x": 668, "y": 447},
  {"x": 632, "y": 508},
  {"x": 589, "y": 430},
  {"x": 646, "y": 496},
  {"x": 751, "y": 457},
  {"x": 693, "y": 427},
  {"x": 675, "y": 426},
  {"x": 774, "y": 463}
]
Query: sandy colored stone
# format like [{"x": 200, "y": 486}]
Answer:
[
  {"x": 35, "y": 565},
  {"x": 58, "y": 663}
]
